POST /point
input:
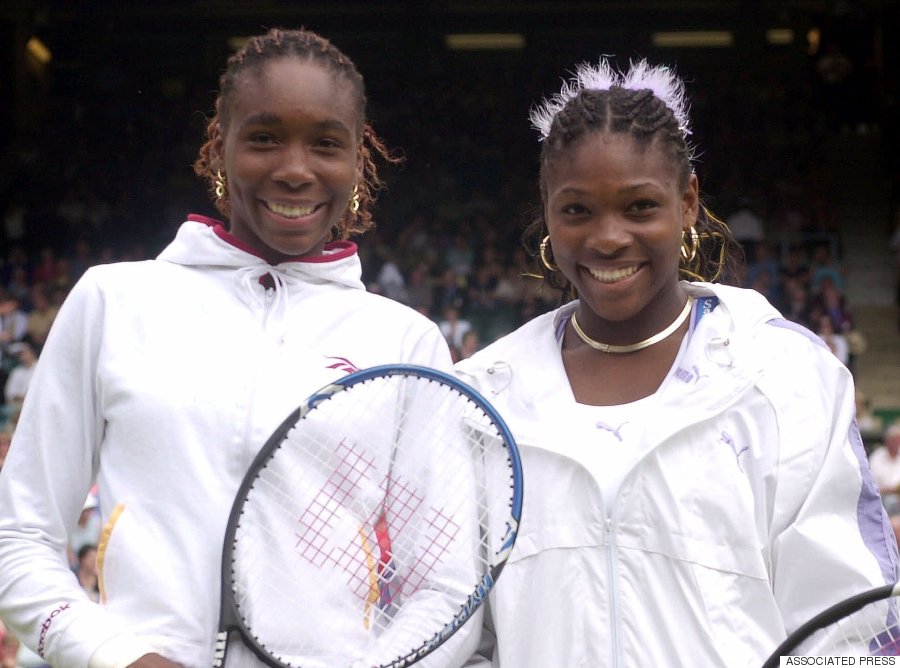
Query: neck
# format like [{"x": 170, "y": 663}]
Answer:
[{"x": 640, "y": 345}]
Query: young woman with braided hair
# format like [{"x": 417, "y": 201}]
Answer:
[
  {"x": 696, "y": 484},
  {"x": 162, "y": 379}
]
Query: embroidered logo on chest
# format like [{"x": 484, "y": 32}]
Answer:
[
  {"x": 615, "y": 431},
  {"x": 342, "y": 364}
]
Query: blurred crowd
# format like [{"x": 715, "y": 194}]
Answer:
[{"x": 449, "y": 224}]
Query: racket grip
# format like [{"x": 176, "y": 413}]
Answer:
[{"x": 221, "y": 645}]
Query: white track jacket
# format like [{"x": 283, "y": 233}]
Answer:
[
  {"x": 750, "y": 509},
  {"x": 162, "y": 379}
]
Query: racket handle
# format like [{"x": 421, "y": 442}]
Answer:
[{"x": 221, "y": 645}]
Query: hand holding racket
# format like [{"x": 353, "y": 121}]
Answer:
[
  {"x": 863, "y": 625},
  {"x": 371, "y": 525}
]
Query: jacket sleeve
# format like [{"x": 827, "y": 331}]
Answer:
[
  {"x": 830, "y": 537},
  {"x": 43, "y": 485}
]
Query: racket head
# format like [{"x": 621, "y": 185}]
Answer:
[
  {"x": 380, "y": 513},
  {"x": 866, "y": 624}
]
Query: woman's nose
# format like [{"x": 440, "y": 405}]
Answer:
[
  {"x": 294, "y": 169},
  {"x": 609, "y": 235}
]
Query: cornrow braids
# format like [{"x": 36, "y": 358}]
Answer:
[
  {"x": 647, "y": 118},
  {"x": 304, "y": 44},
  {"x": 620, "y": 110}
]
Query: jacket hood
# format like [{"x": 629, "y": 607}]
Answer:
[
  {"x": 204, "y": 242},
  {"x": 746, "y": 309}
]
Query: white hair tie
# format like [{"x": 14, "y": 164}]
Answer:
[{"x": 659, "y": 79}]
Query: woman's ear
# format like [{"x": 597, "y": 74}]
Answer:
[
  {"x": 360, "y": 165},
  {"x": 216, "y": 147},
  {"x": 690, "y": 203}
]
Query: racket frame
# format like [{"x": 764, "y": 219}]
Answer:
[
  {"x": 829, "y": 616},
  {"x": 230, "y": 621}
]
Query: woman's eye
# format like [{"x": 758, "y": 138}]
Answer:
[
  {"x": 574, "y": 209},
  {"x": 329, "y": 142},
  {"x": 643, "y": 205},
  {"x": 262, "y": 138}
]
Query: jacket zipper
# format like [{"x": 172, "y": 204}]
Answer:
[
  {"x": 612, "y": 576},
  {"x": 249, "y": 453},
  {"x": 270, "y": 296}
]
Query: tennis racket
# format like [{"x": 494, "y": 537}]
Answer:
[
  {"x": 371, "y": 525},
  {"x": 863, "y": 625}
]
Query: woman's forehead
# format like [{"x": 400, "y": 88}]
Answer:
[{"x": 293, "y": 82}]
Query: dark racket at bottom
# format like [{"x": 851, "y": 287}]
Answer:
[
  {"x": 866, "y": 624},
  {"x": 371, "y": 525}
]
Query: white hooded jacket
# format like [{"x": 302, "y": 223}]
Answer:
[
  {"x": 161, "y": 380},
  {"x": 750, "y": 506}
]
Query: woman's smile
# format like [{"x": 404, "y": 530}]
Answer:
[{"x": 290, "y": 211}]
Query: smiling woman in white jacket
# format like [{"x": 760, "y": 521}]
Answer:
[
  {"x": 695, "y": 484},
  {"x": 162, "y": 379}
]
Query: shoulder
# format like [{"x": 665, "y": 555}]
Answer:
[
  {"x": 118, "y": 277},
  {"x": 389, "y": 308},
  {"x": 384, "y": 316},
  {"x": 518, "y": 343},
  {"x": 517, "y": 352},
  {"x": 115, "y": 271},
  {"x": 747, "y": 315},
  {"x": 759, "y": 337}
]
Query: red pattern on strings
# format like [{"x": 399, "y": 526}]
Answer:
[{"x": 403, "y": 501}]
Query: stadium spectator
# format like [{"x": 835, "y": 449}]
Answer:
[
  {"x": 747, "y": 227},
  {"x": 19, "y": 379},
  {"x": 825, "y": 267},
  {"x": 41, "y": 316},
  {"x": 13, "y": 320},
  {"x": 795, "y": 266},
  {"x": 86, "y": 570},
  {"x": 420, "y": 291},
  {"x": 835, "y": 340},
  {"x": 471, "y": 344},
  {"x": 87, "y": 529},
  {"x": 797, "y": 306},
  {"x": 453, "y": 327},
  {"x": 884, "y": 461},
  {"x": 13, "y": 330},
  {"x": 390, "y": 279},
  {"x": 449, "y": 292},
  {"x": 764, "y": 272}
]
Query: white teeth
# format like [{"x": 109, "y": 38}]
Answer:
[
  {"x": 613, "y": 276},
  {"x": 290, "y": 211}
]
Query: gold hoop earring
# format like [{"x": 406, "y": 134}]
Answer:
[
  {"x": 354, "y": 200},
  {"x": 220, "y": 185},
  {"x": 689, "y": 251},
  {"x": 545, "y": 243}
]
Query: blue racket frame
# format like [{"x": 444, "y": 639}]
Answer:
[{"x": 230, "y": 620}]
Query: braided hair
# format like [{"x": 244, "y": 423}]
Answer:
[
  {"x": 307, "y": 45},
  {"x": 646, "y": 118}
]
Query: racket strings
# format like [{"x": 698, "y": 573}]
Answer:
[
  {"x": 873, "y": 630},
  {"x": 372, "y": 512}
]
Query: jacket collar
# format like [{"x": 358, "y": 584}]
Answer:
[
  {"x": 722, "y": 362},
  {"x": 203, "y": 241}
]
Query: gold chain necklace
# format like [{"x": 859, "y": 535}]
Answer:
[{"x": 656, "y": 338}]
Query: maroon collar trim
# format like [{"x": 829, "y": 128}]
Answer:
[{"x": 336, "y": 250}]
